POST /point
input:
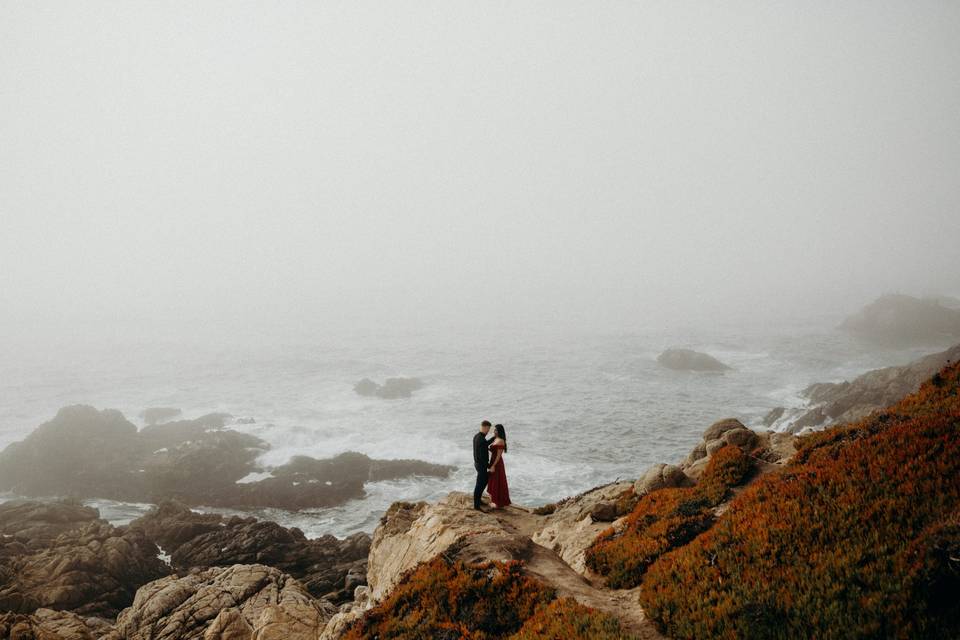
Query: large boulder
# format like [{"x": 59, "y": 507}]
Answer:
[
  {"x": 87, "y": 453},
  {"x": 241, "y": 602},
  {"x": 326, "y": 566},
  {"x": 729, "y": 431},
  {"x": 900, "y": 320},
  {"x": 690, "y": 360},
  {"x": 47, "y": 624},
  {"x": 91, "y": 570},
  {"x": 661, "y": 476},
  {"x": 391, "y": 389}
]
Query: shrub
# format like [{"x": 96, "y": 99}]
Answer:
[
  {"x": 665, "y": 519},
  {"x": 490, "y": 601},
  {"x": 856, "y": 538},
  {"x": 567, "y": 619}
]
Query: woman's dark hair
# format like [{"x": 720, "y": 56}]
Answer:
[{"x": 502, "y": 434}]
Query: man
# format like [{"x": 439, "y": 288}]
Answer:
[{"x": 481, "y": 460}]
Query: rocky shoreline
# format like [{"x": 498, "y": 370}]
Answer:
[
  {"x": 86, "y": 453},
  {"x": 175, "y": 573}
]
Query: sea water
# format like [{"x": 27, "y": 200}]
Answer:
[{"x": 580, "y": 408}]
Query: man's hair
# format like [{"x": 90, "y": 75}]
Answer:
[{"x": 486, "y": 423}]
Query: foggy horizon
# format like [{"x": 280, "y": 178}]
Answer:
[{"x": 238, "y": 169}]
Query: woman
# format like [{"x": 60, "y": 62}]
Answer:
[{"x": 497, "y": 484}]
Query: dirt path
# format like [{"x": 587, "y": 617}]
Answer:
[{"x": 547, "y": 566}]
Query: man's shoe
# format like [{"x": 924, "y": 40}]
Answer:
[{"x": 481, "y": 509}]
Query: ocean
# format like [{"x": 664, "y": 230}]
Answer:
[{"x": 580, "y": 409}]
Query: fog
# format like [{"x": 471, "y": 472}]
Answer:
[{"x": 226, "y": 168}]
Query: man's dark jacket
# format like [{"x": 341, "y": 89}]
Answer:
[{"x": 481, "y": 455}]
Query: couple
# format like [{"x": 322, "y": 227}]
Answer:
[{"x": 490, "y": 472}]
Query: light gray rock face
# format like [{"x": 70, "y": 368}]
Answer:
[
  {"x": 243, "y": 602},
  {"x": 840, "y": 402},
  {"x": 902, "y": 320},
  {"x": 690, "y": 360},
  {"x": 661, "y": 476}
]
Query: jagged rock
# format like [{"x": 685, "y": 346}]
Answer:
[
  {"x": 341, "y": 622},
  {"x": 326, "y": 566},
  {"x": 93, "y": 570},
  {"x": 690, "y": 360},
  {"x": 773, "y": 415},
  {"x": 47, "y": 624},
  {"x": 391, "y": 389},
  {"x": 661, "y": 476},
  {"x": 155, "y": 415},
  {"x": 570, "y": 529},
  {"x": 239, "y": 602},
  {"x": 901, "y": 319},
  {"x": 838, "y": 403},
  {"x": 28, "y": 525},
  {"x": 99, "y": 454}
]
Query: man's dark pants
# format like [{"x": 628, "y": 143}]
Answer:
[{"x": 482, "y": 477}]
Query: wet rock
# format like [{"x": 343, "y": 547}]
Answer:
[
  {"x": 241, "y": 601},
  {"x": 192, "y": 540},
  {"x": 773, "y": 415},
  {"x": 837, "y": 403},
  {"x": 99, "y": 454},
  {"x": 156, "y": 415},
  {"x": 690, "y": 360},
  {"x": 391, "y": 389}
]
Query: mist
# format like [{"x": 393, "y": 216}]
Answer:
[{"x": 234, "y": 169}]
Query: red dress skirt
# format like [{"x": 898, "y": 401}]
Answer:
[{"x": 497, "y": 484}]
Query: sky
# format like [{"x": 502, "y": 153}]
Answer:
[{"x": 169, "y": 166}]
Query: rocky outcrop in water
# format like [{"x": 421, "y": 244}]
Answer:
[
  {"x": 87, "y": 453},
  {"x": 902, "y": 320},
  {"x": 690, "y": 360},
  {"x": 91, "y": 568},
  {"x": 391, "y": 389},
  {"x": 839, "y": 402},
  {"x": 326, "y": 566},
  {"x": 242, "y": 602},
  {"x": 154, "y": 415}
]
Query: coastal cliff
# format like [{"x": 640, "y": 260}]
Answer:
[{"x": 685, "y": 550}]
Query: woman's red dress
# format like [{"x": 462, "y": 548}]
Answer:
[{"x": 497, "y": 484}]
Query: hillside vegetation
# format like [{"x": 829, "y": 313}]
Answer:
[
  {"x": 858, "y": 537},
  {"x": 445, "y": 600}
]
